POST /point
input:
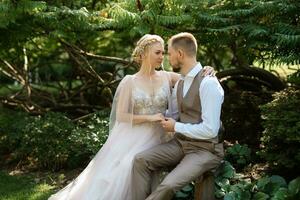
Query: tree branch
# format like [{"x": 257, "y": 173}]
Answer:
[{"x": 98, "y": 57}]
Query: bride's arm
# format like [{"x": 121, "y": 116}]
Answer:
[
  {"x": 128, "y": 117},
  {"x": 147, "y": 118}
]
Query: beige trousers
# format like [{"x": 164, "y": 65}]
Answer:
[{"x": 187, "y": 158}]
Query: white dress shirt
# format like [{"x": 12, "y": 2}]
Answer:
[{"x": 211, "y": 96}]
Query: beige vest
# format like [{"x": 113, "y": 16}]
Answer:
[{"x": 189, "y": 108}]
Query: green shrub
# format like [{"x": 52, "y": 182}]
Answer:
[
  {"x": 51, "y": 141},
  {"x": 12, "y": 124},
  {"x": 89, "y": 136},
  {"x": 241, "y": 116},
  {"x": 281, "y": 137},
  {"x": 238, "y": 155},
  {"x": 46, "y": 140}
]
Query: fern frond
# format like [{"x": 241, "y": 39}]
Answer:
[
  {"x": 31, "y": 7},
  {"x": 285, "y": 28},
  {"x": 213, "y": 19},
  {"x": 254, "y": 31},
  {"x": 225, "y": 30},
  {"x": 239, "y": 13},
  {"x": 124, "y": 17},
  {"x": 173, "y": 20},
  {"x": 290, "y": 59},
  {"x": 287, "y": 40}
]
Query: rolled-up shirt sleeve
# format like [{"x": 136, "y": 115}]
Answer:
[{"x": 211, "y": 96}]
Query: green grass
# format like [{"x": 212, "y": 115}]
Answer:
[{"x": 22, "y": 187}]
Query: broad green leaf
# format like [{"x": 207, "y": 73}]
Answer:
[
  {"x": 220, "y": 194},
  {"x": 294, "y": 186},
  {"x": 222, "y": 182},
  {"x": 187, "y": 188},
  {"x": 281, "y": 194},
  {"x": 261, "y": 183},
  {"x": 278, "y": 180},
  {"x": 228, "y": 170},
  {"x": 260, "y": 196},
  {"x": 245, "y": 195},
  {"x": 229, "y": 196},
  {"x": 180, "y": 194},
  {"x": 271, "y": 184}
]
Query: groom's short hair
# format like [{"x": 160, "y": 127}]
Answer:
[{"x": 185, "y": 41}]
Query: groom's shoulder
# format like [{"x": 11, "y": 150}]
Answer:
[{"x": 210, "y": 81}]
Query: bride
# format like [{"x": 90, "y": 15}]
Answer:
[{"x": 140, "y": 102}]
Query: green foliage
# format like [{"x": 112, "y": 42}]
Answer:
[
  {"x": 281, "y": 137},
  {"x": 238, "y": 155},
  {"x": 270, "y": 185},
  {"x": 51, "y": 141},
  {"x": 11, "y": 127},
  {"x": 251, "y": 29},
  {"x": 275, "y": 187},
  {"x": 89, "y": 136},
  {"x": 294, "y": 188},
  {"x": 230, "y": 33},
  {"x": 230, "y": 185},
  {"x": 294, "y": 78},
  {"x": 241, "y": 127},
  {"x": 12, "y": 11},
  {"x": 185, "y": 193},
  {"x": 46, "y": 140}
]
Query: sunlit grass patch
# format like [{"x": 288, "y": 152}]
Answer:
[{"x": 19, "y": 187}]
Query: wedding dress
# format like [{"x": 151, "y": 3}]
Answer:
[{"x": 108, "y": 175}]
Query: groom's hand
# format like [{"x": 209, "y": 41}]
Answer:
[{"x": 168, "y": 124}]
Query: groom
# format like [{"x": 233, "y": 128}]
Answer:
[{"x": 195, "y": 148}]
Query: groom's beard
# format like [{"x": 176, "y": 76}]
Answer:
[
  {"x": 177, "y": 67},
  {"x": 177, "y": 70}
]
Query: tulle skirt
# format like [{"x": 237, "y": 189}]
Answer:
[{"x": 108, "y": 175}]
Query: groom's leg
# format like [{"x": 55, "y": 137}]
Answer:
[
  {"x": 191, "y": 166},
  {"x": 163, "y": 155}
]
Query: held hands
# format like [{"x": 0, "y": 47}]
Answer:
[
  {"x": 156, "y": 117},
  {"x": 208, "y": 71},
  {"x": 168, "y": 124}
]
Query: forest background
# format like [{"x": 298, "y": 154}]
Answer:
[{"x": 61, "y": 61}]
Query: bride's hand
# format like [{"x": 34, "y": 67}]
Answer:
[
  {"x": 156, "y": 117},
  {"x": 208, "y": 71}
]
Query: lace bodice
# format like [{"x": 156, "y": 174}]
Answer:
[{"x": 145, "y": 104}]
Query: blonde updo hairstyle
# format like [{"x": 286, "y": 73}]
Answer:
[{"x": 142, "y": 49}]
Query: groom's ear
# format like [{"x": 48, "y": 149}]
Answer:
[{"x": 180, "y": 53}]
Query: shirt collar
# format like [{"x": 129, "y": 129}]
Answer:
[{"x": 193, "y": 72}]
